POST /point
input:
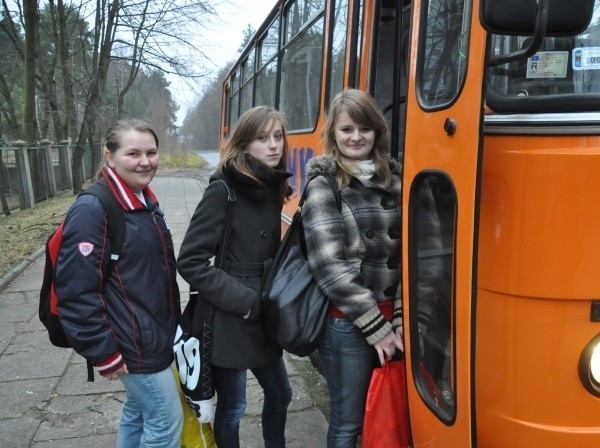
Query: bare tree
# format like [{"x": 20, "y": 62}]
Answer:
[
  {"x": 104, "y": 33},
  {"x": 142, "y": 35}
]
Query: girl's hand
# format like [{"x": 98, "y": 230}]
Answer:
[
  {"x": 388, "y": 346},
  {"x": 115, "y": 375}
]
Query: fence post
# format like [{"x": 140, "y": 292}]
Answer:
[
  {"x": 64, "y": 157},
  {"x": 26, "y": 198},
  {"x": 49, "y": 166}
]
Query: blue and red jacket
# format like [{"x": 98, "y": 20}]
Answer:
[{"x": 127, "y": 312}]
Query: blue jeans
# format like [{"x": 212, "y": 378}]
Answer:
[
  {"x": 230, "y": 385},
  {"x": 348, "y": 362},
  {"x": 152, "y": 413}
]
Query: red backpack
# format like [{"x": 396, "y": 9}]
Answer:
[{"x": 48, "y": 311}]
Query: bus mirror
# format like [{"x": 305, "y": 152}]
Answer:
[{"x": 519, "y": 17}]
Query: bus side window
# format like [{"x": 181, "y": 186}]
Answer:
[
  {"x": 301, "y": 63},
  {"x": 432, "y": 217},
  {"x": 586, "y": 77}
]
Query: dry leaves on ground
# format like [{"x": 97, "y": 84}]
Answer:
[{"x": 25, "y": 231}]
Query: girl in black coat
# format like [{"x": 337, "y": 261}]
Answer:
[{"x": 253, "y": 165}]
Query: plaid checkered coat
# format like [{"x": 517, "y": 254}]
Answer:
[{"x": 354, "y": 253}]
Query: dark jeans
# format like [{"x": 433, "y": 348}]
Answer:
[
  {"x": 230, "y": 385},
  {"x": 349, "y": 362}
]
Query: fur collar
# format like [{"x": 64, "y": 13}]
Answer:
[{"x": 325, "y": 165}]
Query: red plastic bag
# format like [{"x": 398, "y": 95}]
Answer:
[{"x": 386, "y": 421}]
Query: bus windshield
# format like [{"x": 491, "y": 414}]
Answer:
[{"x": 563, "y": 76}]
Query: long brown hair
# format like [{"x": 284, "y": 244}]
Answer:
[
  {"x": 250, "y": 126},
  {"x": 362, "y": 109}
]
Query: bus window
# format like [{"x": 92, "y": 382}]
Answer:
[
  {"x": 562, "y": 76},
  {"x": 432, "y": 210},
  {"x": 337, "y": 48},
  {"x": 300, "y": 13},
  {"x": 247, "y": 79},
  {"x": 301, "y": 66},
  {"x": 443, "y": 56},
  {"x": 234, "y": 101},
  {"x": 266, "y": 75}
]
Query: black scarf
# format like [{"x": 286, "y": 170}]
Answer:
[{"x": 269, "y": 187}]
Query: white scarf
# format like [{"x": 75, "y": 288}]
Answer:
[{"x": 363, "y": 169}]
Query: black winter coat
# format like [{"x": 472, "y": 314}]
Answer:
[
  {"x": 238, "y": 343},
  {"x": 132, "y": 313}
]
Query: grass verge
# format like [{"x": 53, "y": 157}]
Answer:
[{"x": 25, "y": 231}]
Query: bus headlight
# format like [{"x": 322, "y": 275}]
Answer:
[{"x": 589, "y": 366}]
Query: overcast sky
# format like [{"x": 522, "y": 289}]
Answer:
[{"x": 222, "y": 44}]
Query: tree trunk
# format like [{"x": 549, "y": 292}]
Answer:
[
  {"x": 30, "y": 8},
  {"x": 95, "y": 97},
  {"x": 8, "y": 110},
  {"x": 70, "y": 119}
]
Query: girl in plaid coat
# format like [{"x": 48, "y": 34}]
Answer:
[{"x": 354, "y": 254}]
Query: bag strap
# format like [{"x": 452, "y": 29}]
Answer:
[
  {"x": 333, "y": 185},
  {"x": 114, "y": 215},
  {"x": 231, "y": 198}
]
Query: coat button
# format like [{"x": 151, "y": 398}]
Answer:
[
  {"x": 369, "y": 234},
  {"x": 388, "y": 203},
  {"x": 263, "y": 234},
  {"x": 394, "y": 233}
]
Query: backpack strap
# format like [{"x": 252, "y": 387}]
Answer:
[
  {"x": 116, "y": 231},
  {"x": 114, "y": 215}
]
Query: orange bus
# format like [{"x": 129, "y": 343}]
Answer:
[{"x": 494, "y": 110}]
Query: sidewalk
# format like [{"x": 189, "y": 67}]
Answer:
[{"x": 46, "y": 400}]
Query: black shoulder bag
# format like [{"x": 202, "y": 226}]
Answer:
[
  {"x": 193, "y": 339},
  {"x": 294, "y": 308}
]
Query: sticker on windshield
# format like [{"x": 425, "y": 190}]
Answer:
[
  {"x": 548, "y": 64},
  {"x": 586, "y": 58}
]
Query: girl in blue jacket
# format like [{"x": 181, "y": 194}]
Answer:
[{"x": 121, "y": 315}]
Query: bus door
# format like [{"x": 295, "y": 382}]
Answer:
[
  {"x": 440, "y": 200},
  {"x": 389, "y": 62}
]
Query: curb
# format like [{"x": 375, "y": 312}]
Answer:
[{"x": 14, "y": 272}]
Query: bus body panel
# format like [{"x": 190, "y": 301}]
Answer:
[
  {"x": 538, "y": 195},
  {"x": 538, "y": 251}
]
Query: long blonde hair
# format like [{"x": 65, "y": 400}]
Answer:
[
  {"x": 250, "y": 126},
  {"x": 362, "y": 109}
]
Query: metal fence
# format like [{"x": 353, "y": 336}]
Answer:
[
  {"x": 31, "y": 174},
  {"x": 9, "y": 177}
]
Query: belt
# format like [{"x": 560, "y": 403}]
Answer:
[
  {"x": 386, "y": 307},
  {"x": 244, "y": 269}
]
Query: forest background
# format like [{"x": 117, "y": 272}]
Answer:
[{"x": 70, "y": 68}]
